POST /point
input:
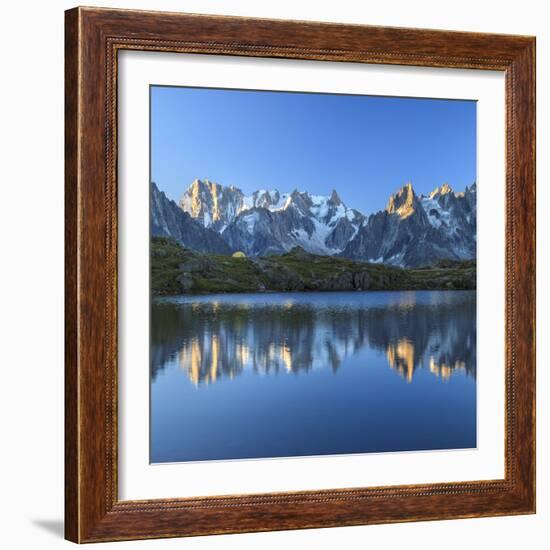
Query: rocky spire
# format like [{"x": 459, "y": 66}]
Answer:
[
  {"x": 404, "y": 202},
  {"x": 444, "y": 189},
  {"x": 334, "y": 198}
]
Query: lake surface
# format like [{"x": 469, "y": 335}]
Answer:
[{"x": 292, "y": 374}]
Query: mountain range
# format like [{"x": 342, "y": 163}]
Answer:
[{"x": 413, "y": 230}]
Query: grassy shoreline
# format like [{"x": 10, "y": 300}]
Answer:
[{"x": 176, "y": 270}]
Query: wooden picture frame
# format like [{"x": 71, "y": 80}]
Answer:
[{"x": 93, "y": 511}]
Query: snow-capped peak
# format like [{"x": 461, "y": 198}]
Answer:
[
  {"x": 413, "y": 230},
  {"x": 319, "y": 223}
]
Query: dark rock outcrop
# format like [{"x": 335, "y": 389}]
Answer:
[
  {"x": 415, "y": 231},
  {"x": 168, "y": 220}
]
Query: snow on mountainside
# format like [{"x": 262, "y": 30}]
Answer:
[
  {"x": 413, "y": 230},
  {"x": 213, "y": 205},
  {"x": 419, "y": 230},
  {"x": 270, "y": 222},
  {"x": 168, "y": 220}
]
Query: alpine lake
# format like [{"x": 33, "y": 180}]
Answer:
[{"x": 281, "y": 374}]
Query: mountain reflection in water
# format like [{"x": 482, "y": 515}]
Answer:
[
  {"x": 305, "y": 374},
  {"x": 214, "y": 338}
]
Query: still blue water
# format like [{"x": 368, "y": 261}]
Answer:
[{"x": 292, "y": 374}]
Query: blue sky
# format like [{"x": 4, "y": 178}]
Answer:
[{"x": 365, "y": 147}]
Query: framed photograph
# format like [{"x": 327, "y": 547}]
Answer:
[{"x": 300, "y": 275}]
